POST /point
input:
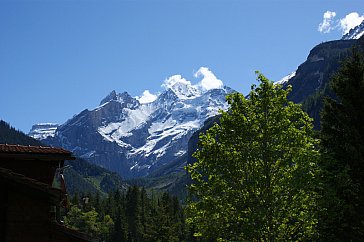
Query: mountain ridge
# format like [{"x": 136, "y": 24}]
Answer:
[{"x": 135, "y": 138}]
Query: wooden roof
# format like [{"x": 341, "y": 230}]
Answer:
[
  {"x": 5, "y": 148},
  {"x": 35, "y": 151}
]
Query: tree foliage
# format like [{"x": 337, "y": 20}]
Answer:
[
  {"x": 255, "y": 173},
  {"x": 342, "y": 214}
]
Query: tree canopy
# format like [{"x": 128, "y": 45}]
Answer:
[{"x": 255, "y": 172}]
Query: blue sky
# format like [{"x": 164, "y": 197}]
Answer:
[{"x": 58, "y": 58}]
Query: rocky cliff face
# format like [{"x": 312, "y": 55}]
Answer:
[
  {"x": 314, "y": 73},
  {"x": 134, "y": 138},
  {"x": 311, "y": 80}
]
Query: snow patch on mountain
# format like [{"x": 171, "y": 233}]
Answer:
[
  {"x": 147, "y": 97},
  {"x": 158, "y": 127},
  {"x": 355, "y": 33},
  {"x": 286, "y": 78},
  {"x": 43, "y": 130},
  {"x": 134, "y": 118},
  {"x": 181, "y": 87}
]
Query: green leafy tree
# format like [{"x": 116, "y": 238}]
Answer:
[
  {"x": 106, "y": 227},
  {"x": 89, "y": 223},
  {"x": 342, "y": 203},
  {"x": 84, "y": 221},
  {"x": 254, "y": 178},
  {"x": 73, "y": 218}
]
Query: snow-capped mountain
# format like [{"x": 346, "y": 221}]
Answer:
[
  {"x": 355, "y": 33},
  {"x": 134, "y": 138},
  {"x": 43, "y": 130}
]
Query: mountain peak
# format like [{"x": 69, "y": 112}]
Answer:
[
  {"x": 112, "y": 96},
  {"x": 181, "y": 87},
  {"x": 185, "y": 90},
  {"x": 120, "y": 97},
  {"x": 286, "y": 78},
  {"x": 355, "y": 33}
]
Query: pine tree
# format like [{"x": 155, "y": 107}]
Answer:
[
  {"x": 133, "y": 214},
  {"x": 120, "y": 232},
  {"x": 149, "y": 231},
  {"x": 254, "y": 175},
  {"x": 342, "y": 210},
  {"x": 97, "y": 204}
]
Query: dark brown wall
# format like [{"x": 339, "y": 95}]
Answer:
[
  {"x": 27, "y": 216},
  {"x": 40, "y": 170}
]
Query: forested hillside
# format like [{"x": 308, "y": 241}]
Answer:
[
  {"x": 9, "y": 135},
  {"x": 85, "y": 177}
]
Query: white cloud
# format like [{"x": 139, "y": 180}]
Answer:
[
  {"x": 350, "y": 21},
  {"x": 209, "y": 80},
  {"x": 184, "y": 89},
  {"x": 327, "y": 23},
  {"x": 170, "y": 81},
  {"x": 147, "y": 97},
  {"x": 181, "y": 87}
]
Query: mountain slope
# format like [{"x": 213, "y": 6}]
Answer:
[
  {"x": 83, "y": 177},
  {"x": 135, "y": 139},
  {"x": 312, "y": 83},
  {"x": 322, "y": 61}
]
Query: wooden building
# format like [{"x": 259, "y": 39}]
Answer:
[{"x": 28, "y": 201}]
